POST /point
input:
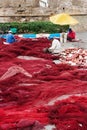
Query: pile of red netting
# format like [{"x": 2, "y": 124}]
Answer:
[{"x": 36, "y": 93}]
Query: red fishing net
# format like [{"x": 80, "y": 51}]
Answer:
[{"x": 36, "y": 94}]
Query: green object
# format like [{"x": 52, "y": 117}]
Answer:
[
  {"x": 14, "y": 30},
  {"x": 33, "y": 27}
]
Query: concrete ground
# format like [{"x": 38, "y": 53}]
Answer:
[{"x": 80, "y": 44}]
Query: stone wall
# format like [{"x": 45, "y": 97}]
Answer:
[
  {"x": 82, "y": 26},
  {"x": 71, "y": 6},
  {"x": 30, "y": 10},
  {"x": 16, "y": 3}
]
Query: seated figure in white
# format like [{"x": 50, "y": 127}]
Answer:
[{"x": 55, "y": 46}]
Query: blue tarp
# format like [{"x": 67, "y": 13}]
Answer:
[
  {"x": 54, "y": 35},
  {"x": 34, "y": 35},
  {"x": 2, "y": 35},
  {"x": 29, "y": 35}
]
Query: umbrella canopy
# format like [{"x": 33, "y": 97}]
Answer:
[{"x": 63, "y": 19}]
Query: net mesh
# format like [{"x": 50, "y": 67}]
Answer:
[{"x": 36, "y": 92}]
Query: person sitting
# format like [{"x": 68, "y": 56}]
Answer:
[
  {"x": 10, "y": 38},
  {"x": 71, "y": 36},
  {"x": 55, "y": 47}
]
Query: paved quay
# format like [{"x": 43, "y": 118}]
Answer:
[{"x": 80, "y": 44}]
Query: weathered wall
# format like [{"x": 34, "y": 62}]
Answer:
[
  {"x": 30, "y": 10},
  {"x": 72, "y": 6},
  {"x": 16, "y": 3},
  {"x": 82, "y": 26}
]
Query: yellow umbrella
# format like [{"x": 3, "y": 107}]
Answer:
[{"x": 63, "y": 19}]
